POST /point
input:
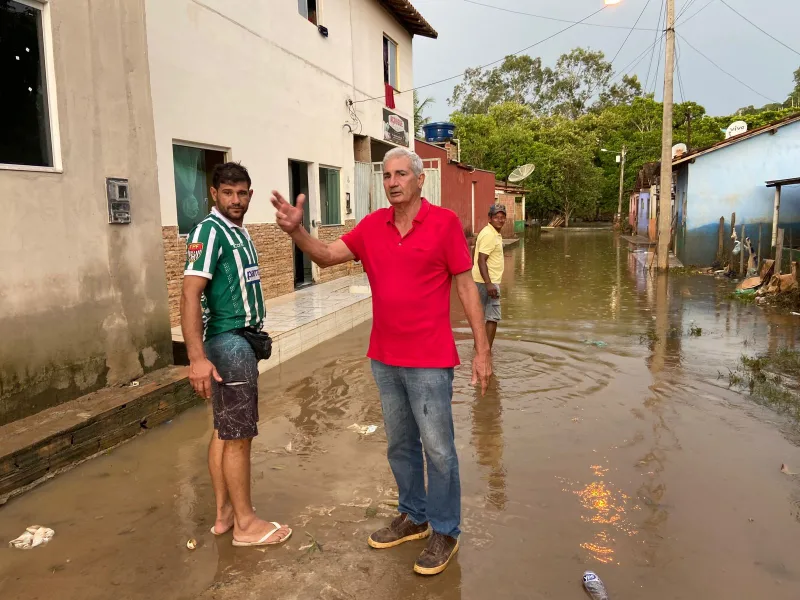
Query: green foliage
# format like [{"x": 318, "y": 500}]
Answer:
[{"x": 560, "y": 117}]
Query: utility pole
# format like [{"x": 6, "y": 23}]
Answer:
[
  {"x": 665, "y": 192},
  {"x": 689, "y": 131},
  {"x": 621, "y": 185}
]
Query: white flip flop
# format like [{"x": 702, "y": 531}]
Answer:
[{"x": 263, "y": 541}]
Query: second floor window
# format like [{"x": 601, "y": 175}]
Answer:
[
  {"x": 308, "y": 8},
  {"x": 390, "y": 62}
]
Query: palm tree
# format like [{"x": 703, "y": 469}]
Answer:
[{"x": 419, "y": 119}]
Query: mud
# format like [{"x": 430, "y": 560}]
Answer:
[{"x": 633, "y": 459}]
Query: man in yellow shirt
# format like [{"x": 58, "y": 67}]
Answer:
[{"x": 487, "y": 272}]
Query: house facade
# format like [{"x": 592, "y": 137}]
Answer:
[
  {"x": 83, "y": 303},
  {"x": 731, "y": 177},
  {"x": 307, "y": 94}
]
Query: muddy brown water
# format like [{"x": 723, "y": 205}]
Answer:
[{"x": 632, "y": 459}]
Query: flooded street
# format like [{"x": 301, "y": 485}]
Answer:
[{"x": 609, "y": 441}]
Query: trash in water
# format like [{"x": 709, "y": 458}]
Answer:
[
  {"x": 35, "y": 535},
  {"x": 595, "y": 587},
  {"x": 796, "y": 314},
  {"x": 134, "y": 384},
  {"x": 595, "y": 343},
  {"x": 785, "y": 470},
  {"x": 191, "y": 544},
  {"x": 363, "y": 429}
]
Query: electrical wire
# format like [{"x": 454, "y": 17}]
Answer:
[
  {"x": 660, "y": 55},
  {"x": 550, "y": 37},
  {"x": 732, "y": 76},
  {"x": 759, "y": 28},
  {"x": 686, "y": 6},
  {"x": 635, "y": 62},
  {"x": 661, "y": 29},
  {"x": 687, "y": 19},
  {"x": 527, "y": 14},
  {"x": 627, "y": 37},
  {"x": 678, "y": 70}
]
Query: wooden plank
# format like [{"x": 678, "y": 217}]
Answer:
[
  {"x": 741, "y": 255},
  {"x": 779, "y": 252}
]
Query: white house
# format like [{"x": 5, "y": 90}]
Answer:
[{"x": 293, "y": 89}]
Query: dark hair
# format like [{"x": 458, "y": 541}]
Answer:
[{"x": 230, "y": 173}]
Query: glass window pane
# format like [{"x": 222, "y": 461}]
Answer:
[
  {"x": 25, "y": 127},
  {"x": 190, "y": 181},
  {"x": 330, "y": 192}
]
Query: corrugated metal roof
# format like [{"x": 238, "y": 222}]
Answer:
[
  {"x": 409, "y": 17},
  {"x": 736, "y": 139}
]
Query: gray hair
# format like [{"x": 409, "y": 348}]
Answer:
[{"x": 416, "y": 161}]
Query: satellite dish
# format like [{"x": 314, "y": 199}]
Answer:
[
  {"x": 521, "y": 173},
  {"x": 736, "y": 128},
  {"x": 679, "y": 149}
]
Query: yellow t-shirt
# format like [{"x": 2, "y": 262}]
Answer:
[{"x": 489, "y": 242}]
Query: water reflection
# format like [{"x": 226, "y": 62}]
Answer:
[{"x": 487, "y": 438}]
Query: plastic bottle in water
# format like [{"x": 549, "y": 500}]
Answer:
[{"x": 595, "y": 587}]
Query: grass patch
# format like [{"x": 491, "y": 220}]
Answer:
[
  {"x": 742, "y": 298},
  {"x": 647, "y": 337},
  {"x": 772, "y": 380},
  {"x": 695, "y": 331}
]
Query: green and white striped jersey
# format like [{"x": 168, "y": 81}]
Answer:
[{"x": 224, "y": 254}]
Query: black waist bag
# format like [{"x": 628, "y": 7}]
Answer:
[{"x": 259, "y": 341}]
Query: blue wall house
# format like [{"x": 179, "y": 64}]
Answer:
[{"x": 731, "y": 177}]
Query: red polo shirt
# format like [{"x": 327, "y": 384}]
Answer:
[{"x": 411, "y": 279}]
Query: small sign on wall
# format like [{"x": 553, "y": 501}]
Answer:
[
  {"x": 119, "y": 201},
  {"x": 395, "y": 128}
]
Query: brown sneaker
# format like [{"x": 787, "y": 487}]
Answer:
[
  {"x": 400, "y": 531},
  {"x": 435, "y": 558}
]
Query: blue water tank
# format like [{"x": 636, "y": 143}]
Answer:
[{"x": 439, "y": 132}]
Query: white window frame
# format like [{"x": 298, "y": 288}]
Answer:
[
  {"x": 198, "y": 146},
  {"x": 319, "y": 13},
  {"x": 52, "y": 98},
  {"x": 396, "y": 84}
]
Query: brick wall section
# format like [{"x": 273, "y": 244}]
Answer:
[
  {"x": 174, "y": 259},
  {"x": 275, "y": 257},
  {"x": 331, "y": 233}
]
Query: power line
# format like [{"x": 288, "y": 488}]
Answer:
[
  {"x": 527, "y": 14},
  {"x": 550, "y": 37},
  {"x": 687, "y": 5},
  {"x": 678, "y": 70},
  {"x": 635, "y": 62},
  {"x": 732, "y": 76},
  {"x": 759, "y": 28},
  {"x": 660, "y": 55},
  {"x": 627, "y": 37},
  {"x": 650, "y": 68},
  {"x": 687, "y": 19}
]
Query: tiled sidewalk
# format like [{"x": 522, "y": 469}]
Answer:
[{"x": 303, "y": 319}]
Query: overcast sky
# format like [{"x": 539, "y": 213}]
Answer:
[{"x": 471, "y": 35}]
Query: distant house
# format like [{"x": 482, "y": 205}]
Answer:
[
  {"x": 731, "y": 177},
  {"x": 513, "y": 197},
  {"x": 467, "y": 191},
  {"x": 642, "y": 214}
]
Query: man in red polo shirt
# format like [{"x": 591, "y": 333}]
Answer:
[{"x": 411, "y": 252}]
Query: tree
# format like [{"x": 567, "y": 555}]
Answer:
[
  {"x": 420, "y": 120},
  {"x": 580, "y": 81},
  {"x": 520, "y": 79}
]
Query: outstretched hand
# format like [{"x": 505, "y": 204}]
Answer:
[{"x": 288, "y": 217}]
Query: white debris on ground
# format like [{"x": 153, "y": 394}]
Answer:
[{"x": 35, "y": 535}]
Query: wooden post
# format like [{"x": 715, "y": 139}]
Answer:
[
  {"x": 741, "y": 255},
  {"x": 733, "y": 230},
  {"x": 758, "y": 259},
  {"x": 778, "y": 251},
  {"x": 791, "y": 245},
  {"x": 776, "y": 214},
  {"x": 721, "y": 242}
]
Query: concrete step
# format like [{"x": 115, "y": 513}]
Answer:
[{"x": 35, "y": 449}]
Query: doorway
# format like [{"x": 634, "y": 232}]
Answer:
[{"x": 298, "y": 184}]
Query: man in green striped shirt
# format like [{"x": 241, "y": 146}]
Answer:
[{"x": 221, "y": 298}]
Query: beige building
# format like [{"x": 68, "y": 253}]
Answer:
[
  {"x": 296, "y": 91},
  {"x": 82, "y": 297}
]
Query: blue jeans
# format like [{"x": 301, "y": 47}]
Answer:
[{"x": 417, "y": 413}]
